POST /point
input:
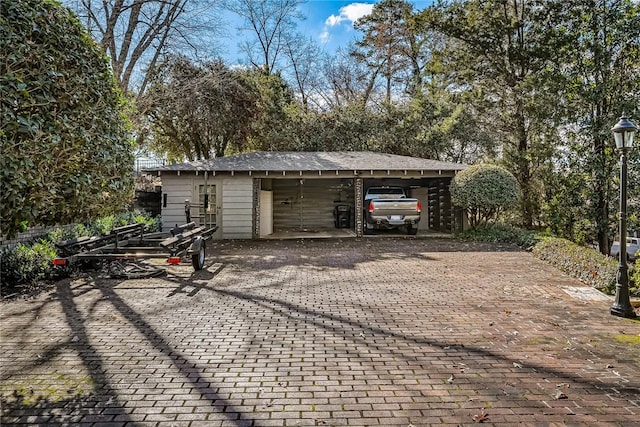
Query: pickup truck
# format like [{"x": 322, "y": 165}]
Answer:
[{"x": 390, "y": 208}]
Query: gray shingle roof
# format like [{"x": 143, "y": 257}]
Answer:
[{"x": 312, "y": 161}]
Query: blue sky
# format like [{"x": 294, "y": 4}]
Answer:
[{"x": 330, "y": 22}]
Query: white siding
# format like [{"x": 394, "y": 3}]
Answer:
[
  {"x": 177, "y": 188},
  {"x": 237, "y": 208}
]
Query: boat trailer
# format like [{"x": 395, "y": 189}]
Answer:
[{"x": 131, "y": 243}]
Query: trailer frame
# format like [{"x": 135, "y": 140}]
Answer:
[{"x": 130, "y": 243}]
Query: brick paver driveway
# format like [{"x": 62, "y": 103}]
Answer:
[{"x": 378, "y": 331}]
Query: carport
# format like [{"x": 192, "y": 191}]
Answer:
[{"x": 261, "y": 194}]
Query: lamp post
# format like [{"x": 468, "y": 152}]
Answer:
[{"x": 623, "y": 133}]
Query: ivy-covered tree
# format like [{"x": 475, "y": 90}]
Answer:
[
  {"x": 273, "y": 106},
  {"x": 484, "y": 191},
  {"x": 65, "y": 148}
]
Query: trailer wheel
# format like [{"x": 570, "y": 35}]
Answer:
[
  {"x": 197, "y": 259},
  {"x": 412, "y": 231}
]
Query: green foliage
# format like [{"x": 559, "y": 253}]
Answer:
[
  {"x": 484, "y": 191},
  {"x": 565, "y": 204},
  {"x": 502, "y": 233},
  {"x": 200, "y": 111},
  {"x": 104, "y": 225},
  {"x": 65, "y": 151},
  {"x": 503, "y": 51},
  {"x": 28, "y": 264},
  {"x": 634, "y": 280},
  {"x": 586, "y": 264},
  {"x": 601, "y": 79},
  {"x": 273, "y": 105}
]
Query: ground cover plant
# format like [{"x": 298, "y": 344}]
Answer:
[{"x": 27, "y": 267}]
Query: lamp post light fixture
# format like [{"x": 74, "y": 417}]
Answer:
[{"x": 623, "y": 133}]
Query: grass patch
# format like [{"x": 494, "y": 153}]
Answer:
[
  {"x": 55, "y": 389},
  {"x": 627, "y": 339}
]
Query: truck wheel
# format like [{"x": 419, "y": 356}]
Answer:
[
  {"x": 365, "y": 229},
  {"x": 197, "y": 259},
  {"x": 412, "y": 231}
]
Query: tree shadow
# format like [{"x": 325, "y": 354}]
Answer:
[
  {"x": 354, "y": 331},
  {"x": 336, "y": 253}
]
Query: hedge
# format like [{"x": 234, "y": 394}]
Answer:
[
  {"x": 583, "y": 263},
  {"x": 586, "y": 264}
]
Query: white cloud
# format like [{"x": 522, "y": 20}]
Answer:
[
  {"x": 332, "y": 21},
  {"x": 351, "y": 12},
  {"x": 325, "y": 36},
  {"x": 348, "y": 14}
]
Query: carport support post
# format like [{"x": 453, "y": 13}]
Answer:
[{"x": 359, "y": 190}]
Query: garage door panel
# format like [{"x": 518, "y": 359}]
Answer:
[{"x": 308, "y": 203}]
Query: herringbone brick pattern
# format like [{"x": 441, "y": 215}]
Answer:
[{"x": 365, "y": 332}]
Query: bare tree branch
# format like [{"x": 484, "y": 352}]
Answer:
[{"x": 135, "y": 33}]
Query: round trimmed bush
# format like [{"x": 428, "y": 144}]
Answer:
[{"x": 484, "y": 191}]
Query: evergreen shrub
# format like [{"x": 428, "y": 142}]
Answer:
[{"x": 586, "y": 264}]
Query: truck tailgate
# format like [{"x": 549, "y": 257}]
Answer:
[{"x": 386, "y": 207}]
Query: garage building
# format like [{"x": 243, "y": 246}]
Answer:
[{"x": 267, "y": 194}]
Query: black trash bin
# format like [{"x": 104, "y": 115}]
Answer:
[{"x": 342, "y": 216}]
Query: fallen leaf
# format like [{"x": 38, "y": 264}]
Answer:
[
  {"x": 560, "y": 395},
  {"x": 481, "y": 417},
  {"x": 450, "y": 380},
  {"x": 517, "y": 365}
]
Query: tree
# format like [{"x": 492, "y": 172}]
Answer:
[
  {"x": 602, "y": 79},
  {"x": 484, "y": 191},
  {"x": 505, "y": 50},
  {"x": 271, "y": 22},
  {"x": 391, "y": 45},
  {"x": 305, "y": 58},
  {"x": 348, "y": 81},
  {"x": 136, "y": 33},
  {"x": 199, "y": 112},
  {"x": 66, "y": 153},
  {"x": 274, "y": 102}
]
